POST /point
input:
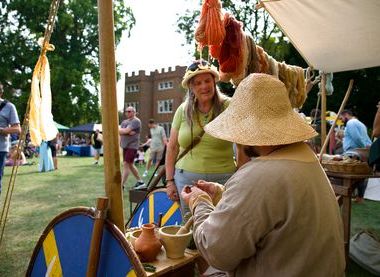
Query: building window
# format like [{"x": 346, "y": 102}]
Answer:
[
  {"x": 133, "y": 104},
  {"x": 165, "y": 106},
  {"x": 167, "y": 127},
  {"x": 165, "y": 85},
  {"x": 133, "y": 88}
]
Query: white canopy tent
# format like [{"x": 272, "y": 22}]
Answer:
[{"x": 331, "y": 35}]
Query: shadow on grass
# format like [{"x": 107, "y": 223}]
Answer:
[{"x": 354, "y": 270}]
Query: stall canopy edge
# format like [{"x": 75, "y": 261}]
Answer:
[{"x": 332, "y": 35}]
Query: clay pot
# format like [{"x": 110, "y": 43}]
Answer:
[
  {"x": 174, "y": 244},
  {"x": 147, "y": 245}
]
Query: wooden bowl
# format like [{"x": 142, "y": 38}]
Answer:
[{"x": 133, "y": 235}]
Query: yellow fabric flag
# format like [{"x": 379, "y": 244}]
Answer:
[{"x": 41, "y": 124}]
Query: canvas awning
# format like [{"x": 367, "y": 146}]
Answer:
[
  {"x": 331, "y": 35},
  {"x": 60, "y": 127}
]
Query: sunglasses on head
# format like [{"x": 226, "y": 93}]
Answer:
[{"x": 196, "y": 65}]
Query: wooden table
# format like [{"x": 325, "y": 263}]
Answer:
[
  {"x": 182, "y": 267},
  {"x": 344, "y": 184}
]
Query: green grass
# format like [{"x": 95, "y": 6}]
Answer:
[
  {"x": 39, "y": 197},
  {"x": 364, "y": 216}
]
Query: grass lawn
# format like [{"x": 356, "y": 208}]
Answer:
[{"x": 39, "y": 197}]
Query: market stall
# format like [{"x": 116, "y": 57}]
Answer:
[
  {"x": 289, "y": 15},
  {"x": 328, "y": 40},
  {"x": 333, "y": 41}
]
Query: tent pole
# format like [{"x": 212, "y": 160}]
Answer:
[
  {"x": 323, "y": 109},
  {"x": 345, "y": 99},
  {"x": 112, "y": 174}
]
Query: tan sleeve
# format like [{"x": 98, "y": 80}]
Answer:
[
  {"x": 194, "y": 201},
  {"x": 218, "y": 194}
]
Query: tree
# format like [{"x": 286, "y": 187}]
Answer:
[{"x": 74, "y": 63}]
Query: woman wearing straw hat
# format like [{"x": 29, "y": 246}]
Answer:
[
  {"x": 211, "y": 158},
  {"x": 278, "y": 215}
]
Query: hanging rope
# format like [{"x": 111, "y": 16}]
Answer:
[{"x": 25, "y": 125}]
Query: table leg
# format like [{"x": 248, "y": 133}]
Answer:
[{"x": 346, "y": 216}]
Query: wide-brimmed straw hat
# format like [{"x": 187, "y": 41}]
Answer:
[
  {"x": 260, "y": 114},
  {"x": 196, "y": 68}
]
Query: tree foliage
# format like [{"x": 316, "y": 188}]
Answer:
[
  {"x": 261, "y": 27},
  {"x": 74, "y": 63}
]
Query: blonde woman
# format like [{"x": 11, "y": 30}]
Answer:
[{"x": 211, "y": 159}]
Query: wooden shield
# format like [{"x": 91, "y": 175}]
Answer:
[
  {"x": 63, "y": 248},
  {"x": 155, "y": 203}
]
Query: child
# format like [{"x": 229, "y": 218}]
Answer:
[{"x": 140, "y": 156}]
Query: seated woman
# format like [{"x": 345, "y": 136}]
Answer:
[{"x": 12, "y": 157}]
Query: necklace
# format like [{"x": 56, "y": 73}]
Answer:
[{"x": 206, "y": 117}]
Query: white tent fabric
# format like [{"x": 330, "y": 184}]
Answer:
[
  {"x": 372, "y": 191},
  {"x": 331, "y": 35}
]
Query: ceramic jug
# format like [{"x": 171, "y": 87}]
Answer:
[{"x": 147, "y": 245}]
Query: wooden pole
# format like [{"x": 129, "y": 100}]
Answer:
[
  {"x": 112, "y": 174},
  {"x": 97, "y": 234},
  {"x": 345, "y": 99},
  {"x": 323, "y": 108}
]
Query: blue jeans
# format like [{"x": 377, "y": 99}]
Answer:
[
  {"x": 183, "y": 178},
  {"x": 3, "y": 155}
]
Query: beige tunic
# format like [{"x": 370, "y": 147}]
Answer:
[{"x": 277, "y": 217}]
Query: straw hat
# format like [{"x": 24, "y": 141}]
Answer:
[
  {"x": 196, "y": 68},
  {"x": 260, "y": 114}
]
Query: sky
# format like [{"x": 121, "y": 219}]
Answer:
[{"x": 154, "y": 42}]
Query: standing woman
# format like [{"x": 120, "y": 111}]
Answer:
[{"x": 211, "y": 159}]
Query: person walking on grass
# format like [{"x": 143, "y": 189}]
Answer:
[
  {"x": 157, "y": 145},
  {"x": 9, "y": 124},
  {"x": 129, "y": 141},
  {"x": 97, "y": 142}
]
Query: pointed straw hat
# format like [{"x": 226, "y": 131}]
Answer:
[{"x": 260, "y": 114}]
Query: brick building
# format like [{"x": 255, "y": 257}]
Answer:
[{"x": 155, "y": 95}]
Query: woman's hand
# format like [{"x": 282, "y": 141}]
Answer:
[{"x": 171, "y": 191}]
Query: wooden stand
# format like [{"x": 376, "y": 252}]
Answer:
[
  {"x": 175, "y": 267},
  {"x": 343, "y": 185}
]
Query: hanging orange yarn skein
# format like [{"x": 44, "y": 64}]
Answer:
[
  {"x": 210, "y": 30},
  {"x": 231, "y": 49}
]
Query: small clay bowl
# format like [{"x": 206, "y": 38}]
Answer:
[
  {"x": 174, "y": 244},
  {"x": 133, "y": 236}
]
